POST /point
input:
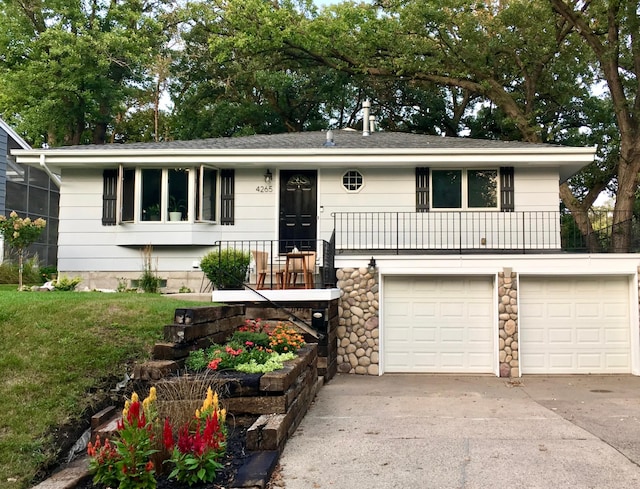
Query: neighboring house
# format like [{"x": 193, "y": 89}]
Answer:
[
  {"x": 447, "y": 252},
  {"x": 29, "y": 191}
]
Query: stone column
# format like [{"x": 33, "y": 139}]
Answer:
[
  {"x": 358, "y": 333},
  {"x": 508, "y": 323}
]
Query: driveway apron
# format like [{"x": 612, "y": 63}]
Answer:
[{"x": 450, "y": 431}]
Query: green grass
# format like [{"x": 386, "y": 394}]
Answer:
[{"x": 56, "y": 346}]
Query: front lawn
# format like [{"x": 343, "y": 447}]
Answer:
[{"x": 54, "y": 348}]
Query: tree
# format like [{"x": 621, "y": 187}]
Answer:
[
  {"x": 68, "y": 69},
  {"x": 19, "y": 233},
  {"x": 611, "y": 29},
  {"x": 517, "y": 57}
]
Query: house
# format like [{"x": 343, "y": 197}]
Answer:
[
  {"x": 29, "y": 191},
  {"x": 443, "y": 254}
]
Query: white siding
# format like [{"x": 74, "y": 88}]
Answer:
[
  {"x": 536, "y": 189},
  {"x": 390, "y": 190},
  {"x": 87, "y": 245}
]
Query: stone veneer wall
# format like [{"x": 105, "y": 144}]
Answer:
[
  {"x": 358, "y": 333},
  {"x": 508, "y": 324}
]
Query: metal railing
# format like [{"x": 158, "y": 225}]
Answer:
[
  {"x": 268, "y": 259},
  {"x": 478, "y": 232}
]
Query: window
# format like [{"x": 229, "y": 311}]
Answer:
[
  {"x": 447, "y": 189},
  {"x": 465, "y": 189},
  {"x": 151, "y": 192},
  {"x": 352, "y": 180},
  {"x": 156, "y": 194},
  {"x": 206, "y": 183},
  {"x": 482, "y": 188},
  {"x": 178, "y": 194}
]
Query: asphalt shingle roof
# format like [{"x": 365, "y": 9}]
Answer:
[{"x": 316, "y": 139}]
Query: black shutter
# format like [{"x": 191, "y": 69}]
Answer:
[
  {"x": 109, "y": 197},
  {"x": 507, "y": 203},
  {"x": 422, "y": 189},
  {"x": 227, "y": 197}
]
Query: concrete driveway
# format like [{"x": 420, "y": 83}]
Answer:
[{"x": 446, "y": 431}]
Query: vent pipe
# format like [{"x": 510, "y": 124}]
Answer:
[
  {"x": 329, "y": 141},
  {"x": 366, "y": 105},
  {"x": 372, "y": 123}
]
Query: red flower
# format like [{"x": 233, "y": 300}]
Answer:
[
  {"x": 233, "y": 352},
  {"x": 167, "y": 435},
  {"x": 213, "y": 364},
  {"x": 149, "y": 466}
]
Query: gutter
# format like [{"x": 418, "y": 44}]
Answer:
[{"x": 52, "y": 176}]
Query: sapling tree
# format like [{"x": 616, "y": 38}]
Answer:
[{"x": 19, "y": 233}]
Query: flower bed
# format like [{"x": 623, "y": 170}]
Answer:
[
  {"x": 254, "y": 348},
  {"x": 190, "y": 449}
]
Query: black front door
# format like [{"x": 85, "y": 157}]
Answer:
[{"x": 298, "y": 218}]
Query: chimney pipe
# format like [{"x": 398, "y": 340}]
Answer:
[
  {"x": 372, "y": 123},
  {"x": 366, "y": 105}
]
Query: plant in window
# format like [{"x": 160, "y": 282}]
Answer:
[
  {"x": 153, "y": 212},
  {"x": 177, "y": 207}
]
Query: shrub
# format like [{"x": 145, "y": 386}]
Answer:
[
  {"x": 227, "y": 268},
  {"x": 47, "y": 273},
  {"x": 65, "y": 283},
  {"x": 149, "y": 280},
  {"x": 10, "y": 271}
]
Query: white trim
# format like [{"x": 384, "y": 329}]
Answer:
[
  {"x": 14, "y": 135},
  {"x": 247, "y": 295},
  {"x": 634, "y": 339},
  {"x": 344, "y": 174}
]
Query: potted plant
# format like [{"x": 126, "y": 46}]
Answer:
[
  {"x": 153, "y": 212},
  {"x": 176, "y": 208},
  {"x": 226, "y": 268}
]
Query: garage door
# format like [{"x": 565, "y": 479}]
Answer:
[
  {"x": 574, "y": 325},
  {"x": 438, "y": 324}
]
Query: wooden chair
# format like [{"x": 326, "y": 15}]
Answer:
[
  {"x": 297, "y": 266},
  {"x": 262, "y": 267}
]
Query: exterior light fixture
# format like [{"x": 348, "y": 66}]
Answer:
[
  {"x": 372, "y": 264},
  {"x": 268, "y": 176}
]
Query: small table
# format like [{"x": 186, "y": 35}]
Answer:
[{"x": 300, "y": 255}]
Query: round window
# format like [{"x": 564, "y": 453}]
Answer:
[{"x": 352, "y": 180}]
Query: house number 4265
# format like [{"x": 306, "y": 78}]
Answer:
[{"x": 264, "y": 188}]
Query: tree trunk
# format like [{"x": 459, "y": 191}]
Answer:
[
  {"x": 20, "y": 267},
  {"x": 580, "y": 213},
  {"x": 628, "y": 169}
]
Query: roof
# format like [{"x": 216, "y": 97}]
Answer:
[
  {"x": 14, "y": 135},
  {"x": 308, "y": 150},
  {"x": 343, "y": 138}
]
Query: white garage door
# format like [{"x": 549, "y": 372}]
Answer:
[
  {"x": 438, "y": 324},
  {"x": 574, "y": 325}
]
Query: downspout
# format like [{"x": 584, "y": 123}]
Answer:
[{"x": 52, "y": 176}]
